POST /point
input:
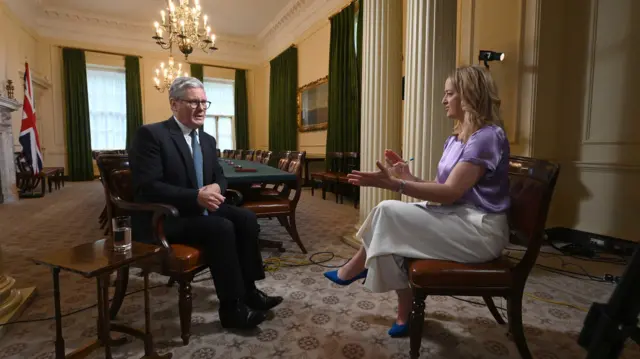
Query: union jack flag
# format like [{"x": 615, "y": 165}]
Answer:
[{"x": 28, "y": 131}]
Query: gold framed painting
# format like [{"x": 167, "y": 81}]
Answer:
[{"x": 313, "y": 105}]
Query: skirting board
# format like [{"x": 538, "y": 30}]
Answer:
[{"x": 27, "y": 297}]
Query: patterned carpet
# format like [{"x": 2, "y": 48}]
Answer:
[{"x": 317, "y": 319}]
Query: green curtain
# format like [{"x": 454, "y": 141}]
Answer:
[
  {"x": 197, "y": 71},
  {"x": 283, "y": 87},
  {"x": 77, "y": 117},
  {"x": 134, "y": 96},
  {"x": 345, "y": 67},
  {"x": 241, "y": 109}
]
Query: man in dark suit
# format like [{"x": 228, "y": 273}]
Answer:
[{"x": 174, "y": 162}]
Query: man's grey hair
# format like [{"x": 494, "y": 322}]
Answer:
[{"x": 182, "y": 84}]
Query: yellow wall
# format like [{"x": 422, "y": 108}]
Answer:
[
  {"x": 17, "y": 44},
  {"x": 595, "y": 116},
  {"x": 313, "y": 64}
]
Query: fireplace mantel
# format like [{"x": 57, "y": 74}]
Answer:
[{"x": 8, "y": 191}]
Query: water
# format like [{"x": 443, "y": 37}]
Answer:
[{"x": 121, "y": 239}]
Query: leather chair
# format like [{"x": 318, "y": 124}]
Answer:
[
  {"x": 248, "y": 155},
  {"x": 108, "y": 162},
  {"x": 330, "y": 177},
  {"x": 182, "y": 262},
  {"x": 282, "y": 206},
  {"x": 532, "y": 183}
]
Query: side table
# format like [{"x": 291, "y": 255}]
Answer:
[{"x": 98, "y": 260}]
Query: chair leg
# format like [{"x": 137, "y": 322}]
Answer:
[
  {"x": 324, "y": 190},
  {"x": 494, "y": 311},
  {"x": 185, "y": 307},
  {"x": 294, "y": 232},
  {"x": 416, "y": 322},
  {"x": 514, "y": 312},
  {"x": 122, "y": 281}
]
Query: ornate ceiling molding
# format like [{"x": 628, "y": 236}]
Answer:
[{"x": 292, "y": 10}]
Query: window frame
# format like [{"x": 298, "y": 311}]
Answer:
[{"x": 106, "y": 68}]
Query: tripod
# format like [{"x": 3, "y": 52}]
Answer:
[{"x": 607, "y": 326}]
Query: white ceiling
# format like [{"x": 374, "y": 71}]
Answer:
[
  {"x": 249, "y": 32},
  {"x": 237, "y": 18}
]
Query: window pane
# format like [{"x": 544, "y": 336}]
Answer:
[
  {"x": 225, "y": 133},
  {"x": 220, "y": 93},
  {"x": 107, "y": 108},
  {"x": 210, "y": 126}
]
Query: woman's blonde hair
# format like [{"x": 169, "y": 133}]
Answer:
[{"x": 479, "y": 99}]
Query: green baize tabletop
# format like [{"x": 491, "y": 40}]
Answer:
[{"x": 263, "y": 172}]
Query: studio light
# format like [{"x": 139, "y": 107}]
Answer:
[{"x": 488, "y": 55}]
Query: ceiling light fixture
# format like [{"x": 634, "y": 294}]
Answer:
[
  {"x": 181, "y": 26},
  {"x": 165, "y": 75}
]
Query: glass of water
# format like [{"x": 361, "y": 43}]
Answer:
[{"x": 121, "y": 234}]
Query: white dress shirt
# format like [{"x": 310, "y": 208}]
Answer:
[{"x": 186, "y": 132}]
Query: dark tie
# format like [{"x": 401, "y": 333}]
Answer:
[{"x": 197, "y": 160}]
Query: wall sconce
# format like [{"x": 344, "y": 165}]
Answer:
[{"x": 488, "y": 55}]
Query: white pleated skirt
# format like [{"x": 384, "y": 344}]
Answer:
[{"x": 396, "y": 230}]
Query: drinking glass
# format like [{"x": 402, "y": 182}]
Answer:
[{"x": 121, "y": 233}]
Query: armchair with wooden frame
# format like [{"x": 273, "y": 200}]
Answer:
[
  {"x": 532, "y": 182},
  {"x": 182, "y": 262}
]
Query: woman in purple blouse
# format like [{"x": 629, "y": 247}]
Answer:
[{"x": 463, "y": 216}]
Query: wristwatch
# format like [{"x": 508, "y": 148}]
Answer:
[{"x": 402, "y": 184}]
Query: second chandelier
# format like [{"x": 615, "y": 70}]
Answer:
[{"x": 181, "y": 27}]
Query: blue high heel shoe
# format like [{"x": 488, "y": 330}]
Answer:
[
  {"x": 333, "y": 276},
  {"x": 398, "y": 331}
]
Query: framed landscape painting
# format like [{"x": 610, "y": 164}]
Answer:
[{"x": 313, "y": 102}]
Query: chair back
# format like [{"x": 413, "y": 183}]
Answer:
[
  {"x": 218, "y": 152},
  {"x": 283, "y": 162},
  {"x": 531, "y": 185},
  {"x": 295, "y": 166},
  {"x": 351, "y": 161},
  {"x": 248, "y": 155},
  {"x": 266, "y": 157},
  {"x": 334, "y": 162},
  {"x": 121, "y": 185},
  {"x": 237, "y": 155},
  {"x": 22, "y": 166},
  {"x": 257, "y": 157},
  {"x": 107, "y": 164}
]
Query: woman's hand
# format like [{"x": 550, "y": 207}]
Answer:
[
  {"x": 397, "y": 166},
  {"x": 378, "y": 179}
]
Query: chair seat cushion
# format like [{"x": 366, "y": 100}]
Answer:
[
  {"x": 427, "y": 273},
  {"x": 185, "y": 258},
  {"x": 269, "y": 192},
  {"x": 268, "y": 205}
]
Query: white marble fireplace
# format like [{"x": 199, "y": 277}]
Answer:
[{"x": 8, "y": 191}]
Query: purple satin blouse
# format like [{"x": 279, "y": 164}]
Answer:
[{"x": 487, "y": 147}]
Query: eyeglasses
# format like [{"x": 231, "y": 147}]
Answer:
[{"x": 195, "y": 103}]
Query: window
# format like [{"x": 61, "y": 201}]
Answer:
[
  {"x": 220, "y": 116},
  {"x": 107, "y": 107}
]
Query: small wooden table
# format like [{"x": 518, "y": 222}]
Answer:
[{"x": 97, "y": 260}]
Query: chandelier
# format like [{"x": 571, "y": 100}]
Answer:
[
  {"x": 181, "y": 27},
  {"x": 165, "y": 75}
]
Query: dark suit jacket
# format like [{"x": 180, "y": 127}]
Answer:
[{"x": 162, "y": 167}]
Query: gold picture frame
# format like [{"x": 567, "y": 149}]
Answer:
[{"x": 313, "y": 105}]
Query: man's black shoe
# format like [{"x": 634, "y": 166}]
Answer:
[
  {"x": 237, "y": 315},
  {"x": 258, "y": 300}
]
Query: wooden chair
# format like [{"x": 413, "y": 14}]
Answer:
[
  {"x": 182, "y": 262},
  {"x": 283, "y": 164},
  {"x": 532, "y": 183},
  {"x": 266, "y": 157},
  {"x": 27, "y": 181},
  {"x": 248, "y": 155},
  {"x": 218, "y": 152},
  {"x": 257, "y": 156},
  {"x": 107, "y": 163},
  {"x": 282, "y": 206},
  {"x": 237, "y": 154},
  {"x": 330, "y": 177},
  {"x": 351, "y": 163}
]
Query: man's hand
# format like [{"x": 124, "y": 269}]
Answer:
[
  {"x": 210, "y": 198},
  {"x": 214, "y": 187}
]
